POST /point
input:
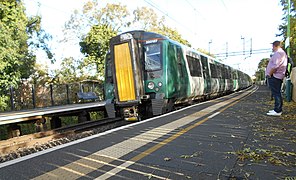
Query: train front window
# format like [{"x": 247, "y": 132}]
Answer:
[{"x": 152, "y": 57}]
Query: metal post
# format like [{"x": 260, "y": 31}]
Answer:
[
  {"x": 287, "y": 44},
  {"x": 51, "y": 95},
  {"x": 11, "y": 98},
  {"x": 210, "y": 42},
  {"x": 33, "y": 96},
  {"x": 226, "y": 49},
  {"x": 68, "y": 97},
  {"x": 251, "y": 47},
  {"x": 288, "y": 28},
  {"x": 243, "y": 38}
]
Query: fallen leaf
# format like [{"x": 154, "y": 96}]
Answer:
[{"x": 167, "y": 159}]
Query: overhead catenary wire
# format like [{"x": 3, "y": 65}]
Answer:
[
  {"x": 195, "y": 9},
  {"x": 158, "y": 8},
  {"x": 151, "y": 3},
  {"x": 240, "y": 53}
]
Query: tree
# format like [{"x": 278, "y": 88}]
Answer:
[
  {"x": 68, "y": 73},
  {"x": 16, "y": 34},
  {"x": 147, "y": 19},
  {"x": 95, "y": 46},
  {"x": 283, "y": 27},
  {"x": 171, "y": 33},
  {"x": 104, "y": 23},
  {"x": 260, "y": 73}
]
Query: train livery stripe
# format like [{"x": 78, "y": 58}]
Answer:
[{"x": 124, "y": 72}]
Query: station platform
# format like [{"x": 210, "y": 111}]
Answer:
[
  {"x": 38, "y": 113},
  {"x": 226, "y": 138}
]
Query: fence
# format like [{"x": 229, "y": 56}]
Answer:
[{"x": 28, "y": 96}]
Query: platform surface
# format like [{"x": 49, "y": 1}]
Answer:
[
  {"x": 226, "y": 138},
  {"x": 25, "y": 115}
]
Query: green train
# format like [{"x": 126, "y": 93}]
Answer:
[{"x": 148, "y": 74}]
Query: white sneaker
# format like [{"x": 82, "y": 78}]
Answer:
[
  {"x": 273, "y": 113},
  {"x": 270, "y": 111}
]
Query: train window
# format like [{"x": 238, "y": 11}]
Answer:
[
  {"x": 179, "y": 59},
  {"x": 205, "y": 68},
  {"x": 219, "y": 73},
  {"x": 227, "y": 73},
  {"x": 197, "y": 68},
  {"x": 194, "y": 66},
  {"x": 223, "y": 72},
  {"x": 214, "y": 71},
  {"x": 152, "y": 57},
  {"x": 234, "y": 74},
  {"x": 230, "y": 73}
]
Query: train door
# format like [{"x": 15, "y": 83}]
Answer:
[
  {"x": 206, "y": 74},
  {"x": 127, "y": 70}
]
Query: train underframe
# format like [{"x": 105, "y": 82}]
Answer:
[{"x": 148, "y": 108}]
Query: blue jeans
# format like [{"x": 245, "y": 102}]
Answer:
[{"x": 275, "y": 87}]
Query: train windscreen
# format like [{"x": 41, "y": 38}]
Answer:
[{"x": 152, "y": 57}]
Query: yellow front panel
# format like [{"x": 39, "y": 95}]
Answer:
[{"x": 124, "y": 72}]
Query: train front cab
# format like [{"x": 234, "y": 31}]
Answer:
[
  {"x": 126, "y": 76},
  {"x": 136, "y": 62}
]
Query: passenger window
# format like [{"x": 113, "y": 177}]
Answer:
[
  {"x": 179, "y": 59},
  {"x": 213, "y": 71},
  {"x": 194, "y": 66},
  {"x": 205, "y": 67}
]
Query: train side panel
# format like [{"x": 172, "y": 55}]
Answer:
[
  {"x": 196, "y": 79},
  {"x": 177, "y": 80}
]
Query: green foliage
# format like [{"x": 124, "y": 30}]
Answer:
[
  {"x": 260, "y": 73},
  {"x": 205, "y": 52},
  {"x": 283, "y": 27},
  {"x": 171, "y": 33},
  {"x": 95, "y": 45},
  {"x": 263, "y": 63},
  {"x": 17, "y": 32},
  {"x": 3, "y": 104},
  {"x": 106, "y": 22},
  {"x": 146, "y": 19}
]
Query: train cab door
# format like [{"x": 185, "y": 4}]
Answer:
[
  {"x": 206, "y": 75},
  {"x": 127, "y": 70}
]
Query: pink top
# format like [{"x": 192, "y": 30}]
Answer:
[{"x": 278, "y": 62}]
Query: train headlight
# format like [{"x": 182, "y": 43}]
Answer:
[
  {"x": 159, "y": 84},
  {"x": 151, "y": 85}
]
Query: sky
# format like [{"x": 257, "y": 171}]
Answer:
[{"x": 218, "y": 26}]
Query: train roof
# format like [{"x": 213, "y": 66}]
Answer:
[{"x": 139, "y": 34}]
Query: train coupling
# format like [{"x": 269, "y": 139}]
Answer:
[{"x": 131, "y": 114}]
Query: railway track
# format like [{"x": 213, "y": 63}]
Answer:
[{"x": 28, "y": 144}]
